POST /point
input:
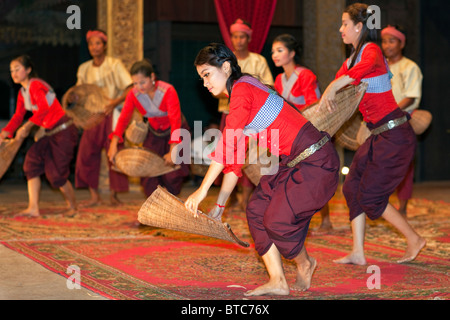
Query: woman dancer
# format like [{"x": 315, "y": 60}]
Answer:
[
  {"x": 381, "y": 163},
  {"x": 157, "y": 101},
  {"x": 52, "y": 154},
  {"x": 281, "y": 207},
  {"x": 296, "y": 84}
]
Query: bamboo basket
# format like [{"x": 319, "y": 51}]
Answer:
[
  {"x": 420, "y": 121},
  {"x": 8, "y": 150},
  {"x": 347, "y": 100},
  {"x": 164, "y": 210},
  {"x": 136, "y": 132},
  {"x": 85, "y": 104},
  {"x": 141, "y": 162},
  {"x": 347, "y": 135}
]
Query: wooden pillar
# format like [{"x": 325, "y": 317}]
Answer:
[{"x": 123, "y": 21}]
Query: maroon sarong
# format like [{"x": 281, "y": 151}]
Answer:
[
  {"x": 282, "y": 205},
  {"x": 87, "y": 170},
  {"x": 52, "y": 155},
  {"x": 378, "y": 167},
  {"x": 172, "y": 181}
]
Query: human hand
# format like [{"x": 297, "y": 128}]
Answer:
[
  {"x": 23, "y": 132},
  {"x": 168, "y": 159},
  {"x": 109, "y": 107},
  {"x": 194, "y": 200},
  {"x": 112, "y": 151}
]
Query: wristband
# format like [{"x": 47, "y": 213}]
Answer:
[{"x": 220, "y": 205}]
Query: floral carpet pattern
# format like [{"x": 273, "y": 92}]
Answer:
[{"x": 121, "y": 259}]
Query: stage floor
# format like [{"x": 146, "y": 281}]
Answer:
[{"x": 24, "y": 279}]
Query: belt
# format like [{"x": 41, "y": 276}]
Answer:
[
  {"x": 308, "y": 152},
  {"x": 391, "y": 124},
  {"x": 59, "y": 128}
]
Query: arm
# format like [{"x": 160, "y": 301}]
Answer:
[
  {"x": 200, "y": 194},
  {"x": 115, "y": 102},
  {"x": 328, "y": 97},
  {"x": 406, "y": 102},
  {"x": 229, "y": 182}
]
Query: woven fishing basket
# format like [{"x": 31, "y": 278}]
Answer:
[
  {"x": 347, "y": 100},
  {"x": 164, "y": 210},
  {"x": 347, "y": 135},
  {"x": 8, "y": 150},
  {"x": 136, "y": 132},
  {"x": 141, "y": 162},
  {"x": 85, "y": 104}
]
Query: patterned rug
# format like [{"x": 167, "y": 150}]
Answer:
[{"x": 121, "y": 259}]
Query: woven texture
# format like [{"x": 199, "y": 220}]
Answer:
[
  {"x": 347, "y": 100},
  {"x": 164, "y": 210},
  {"x": 136, "y": 132},
  {"x": 8, "y": 150},
  {"x": 140, "y": 162},
  {"x": 85, "y": 104},
  {"x": 347, "y": 135}
]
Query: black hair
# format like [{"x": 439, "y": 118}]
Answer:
[
  {"x": 143, "y": 67},
  {"x": 26, "y": 61},
  {"x": 291, "y": 44},
  {"x": 215, "y": 54},
  {"x": 358, "y": 12}
]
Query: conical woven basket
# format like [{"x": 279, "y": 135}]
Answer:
[
  {"x": 137, "y": 132},
  {"x": 140, "y": 162},
  {"x": 347, "y": 135},
  {"x": 164, "y": 210},
  {"x": 8, "y": 150},
  {"x": 420, "y": 121},
  {"x": 85, "y": 104},
  {"x": 347, "y": 100}
]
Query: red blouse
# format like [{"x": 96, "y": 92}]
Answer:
[
  {"x": 168, "y": 108},
  {"x": 46, "y": 109},
  {"x": 305, "y": 90},
  {"x": 373, "y": 106},
  {"x": 246, "y": 101}
]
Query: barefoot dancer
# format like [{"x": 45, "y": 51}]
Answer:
[
  {"x": 52, "y": 154},
  {"x": 281, "y": 208},
  {"x": 382, "y": 161},
  {"x": 111, "y": 75}
]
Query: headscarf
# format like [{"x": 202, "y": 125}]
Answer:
[
  {"x": 394, "y": 32},
  {"x": 96, "y": 33},
  {"x": 239, "y": 25}
]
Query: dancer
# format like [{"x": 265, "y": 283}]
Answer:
[
  {"x": 282, "y": 205},
  {"x": 296, "y": 84},
  {"x": 157, "y": 101},
  {"x": 52, "y": 154},
  {"x": 252, "y": 63},
  {"x": 111, "y": 75},
  {"x": 407, "y": 89},
  {"x": 381, "y": 163}
]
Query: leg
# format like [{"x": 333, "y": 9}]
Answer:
[
  {"x": 415, "y": 242},
  {"x": 69, "y": 195},
  {"x": 277, "y": 284},
  {"x": 358, "y": 231},
  {"x": 34, "y": 187},
  {"x": 326, "y": 226},
  {"x": 305, "y": 269}
]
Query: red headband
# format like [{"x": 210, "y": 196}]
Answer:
[
  {"x": 95, "y": 33},
  {"x": 394, "y": 32},
  {"x": 239, "y": 25}
]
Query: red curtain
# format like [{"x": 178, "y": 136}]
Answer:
[{"x": 258, "y": 13}]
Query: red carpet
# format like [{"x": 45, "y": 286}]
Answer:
[{"x": 121, "y": 260}]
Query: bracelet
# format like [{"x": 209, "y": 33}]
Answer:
[{"x": 220, "y": 205}]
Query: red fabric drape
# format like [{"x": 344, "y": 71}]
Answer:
[{"x": 258, "y": 13}]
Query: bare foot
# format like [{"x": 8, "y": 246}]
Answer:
[
  {"x": 28, "y": 213},
  {"x": 115, "y": 200},
  {"x": 304, "y": 276},
  {"x": 274, "y": 288},
  {"x": 323, "y": 229},
  {"x": 413, "y": 250},
  {"x": 90, "y": 203},
  {"x": 353, "y": 258}
]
